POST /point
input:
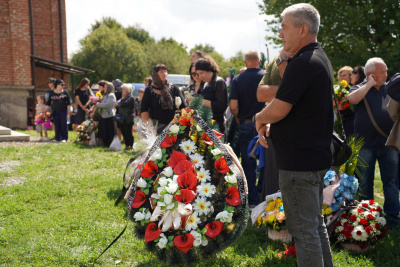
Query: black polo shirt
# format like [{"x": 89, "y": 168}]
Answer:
[
  {"x": 377, "y": 100},
  {"x": 244, "y": 89},
  {"x": 302, "y": 139}
]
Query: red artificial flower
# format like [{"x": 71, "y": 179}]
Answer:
[
  {"x": 175, "y": 158},
  {"x": 346, "y": 224},
  {"x": 370, "y": 217},
  {"x": 187, "y": 180},
  {"x": 207, "y": 139},
  {"x": 168, "y": 141},
  {"x": 185, "y": 166},
  {"x": 344, "y": 215},
  {"x": 377, "y": 226},
  {"x": 363, "y": 222},
  {"x": 221, "y": 165},
  {"x": 214, "y": 228},
  {"x": 350, "y": 228},
  {"x": 149, "y": 169},
  {"x": 371, "y": 202},
  {"x": 360, "y": 210},
  {"x": 343, "y": 232},
  {"x": 186, "y": 196},
  {"x": 348, "y": 235},
  {"x": 359, "y": 233},
  {"x": 353, "y": 218},
  {"x": 232, "y": 196},
  {"x": 379, "y": 210},
  {"x": 368, "y": 229},
  {"x": 372, "y": 210},
  {"x": 139, "y": 199},
  {"x": 184, "y": 121},
  {"x": 152, "y": 232},
  {"x": 365, "y": 205},
  {"x": 184, "y": 242}
]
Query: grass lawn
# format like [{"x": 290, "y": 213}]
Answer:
[{"x": 60, "y": 212}]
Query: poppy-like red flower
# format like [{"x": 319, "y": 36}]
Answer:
[
  {"x": 186, "y": 196},
  {"x": 232, "y": 196},
  {"x": 168, "y": 141},
  {"x": 344, "y": 215},
  {"x": 175, "y": 158},
  {"x": 214, "y": 228},
  {"x": 370, "y": 217},
  {"x": 184, "y": 121},
  {"x": 371, "y": 202},
  {"x": 152, "y": 232},
  {"x": 353, "y": 218},
  {"x": 187, "y": 180},
  {"x": 184, "y": 242},
  {"x": 139, "y": 199},
  {"x": 149, "y": 169},
  {"x": 363, "y": 222},
  {"x": 368, "y": 229},
  {"x": 221, "y": 165},
  {"x": 185, "y": 166},
  {"x": 208, "y": 140}
]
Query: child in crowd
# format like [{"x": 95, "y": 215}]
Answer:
[
  {"x": 74, "y": 116},
  {"x": 41, "y": 108}
]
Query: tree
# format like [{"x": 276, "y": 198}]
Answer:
[
  {"x": 107, "y": 21},
  {"x": 206, "y": 48},
  {"x": 139, "y": 34},
  {"x": 351, "y": 32}
]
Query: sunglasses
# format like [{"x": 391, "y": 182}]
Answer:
[
  {"x": 194, "y": 74},
  {"x": 63, "y": 84}
]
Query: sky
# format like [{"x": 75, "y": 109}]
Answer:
[{"x": 228, "y": 25}]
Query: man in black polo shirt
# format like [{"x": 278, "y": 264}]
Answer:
[
  {"x": 372, "y": 93},
  {"x": 301, "y": 118},
  {"x": 244, "y": 105}
]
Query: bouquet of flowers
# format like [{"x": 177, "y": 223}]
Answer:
[
  {"x": 188, "y": 197},
  {"x": 44, "y": 118},
  {"x": 97, "y": 98},
  {"x": 85, "y": 129},
  {"x": 273, "y": 216},
  {"x": 341, "y": 96},
  {"x": 360, "y": 227}
]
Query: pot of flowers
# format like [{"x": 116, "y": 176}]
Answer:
[{"x": 85, "y": 131}]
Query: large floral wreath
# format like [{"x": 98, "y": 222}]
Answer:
[{"x": 189, "y": 198}]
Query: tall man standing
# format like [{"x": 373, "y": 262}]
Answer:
[
  {"x": 244, "y": 105},
  {"x": 301, "y": 119}
]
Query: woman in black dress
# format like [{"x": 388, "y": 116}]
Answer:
[{"x": 82, "y": 98}]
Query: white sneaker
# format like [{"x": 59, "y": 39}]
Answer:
[
  {"x": 41, "y": 139},
  {"x": 45, "y": 139},
  {"x": 63, "y": 141}
]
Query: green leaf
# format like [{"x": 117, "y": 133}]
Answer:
[
  {"x": 204, "y": 231},
  {"x": 171, "y": 237},
  {"x": 160, "y": 164},
  {"x": 155, "y": 201},
  {"x": 230, "y": 209},
  {"x": 163, "y": 150},
  {"x": 170, "y": 244},
  {"x": 146, "y": 191}
]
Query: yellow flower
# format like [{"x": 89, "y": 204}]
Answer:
[
  {"x": 344, "y": 83},
  {"x": 328, "y": 211},
  {"x": 99, "y": 94},
  {"x": 271, "y": 219}
]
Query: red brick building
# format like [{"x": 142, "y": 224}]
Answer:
[{"x": 33, "y": 47}]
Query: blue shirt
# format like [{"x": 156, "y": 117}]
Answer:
[
  {"x": 244, "y": 89},
  {"x": 377, "y": 100}
]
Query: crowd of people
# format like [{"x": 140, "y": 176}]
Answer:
[{"x": 287, "y": 106}]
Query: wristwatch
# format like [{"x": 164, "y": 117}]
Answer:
[
  {"x": 253, "y": 120},
  {"x": 279, "y": 60}
]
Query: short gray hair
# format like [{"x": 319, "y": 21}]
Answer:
[
  {"x": 370, "y": 65},
  {"x": 304, "y": 14},
  {"x": 128, "y": 87}
]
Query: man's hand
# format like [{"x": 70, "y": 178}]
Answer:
[
  {"x": 371, "y": 80},
  {"x": 263, "y": 132}
]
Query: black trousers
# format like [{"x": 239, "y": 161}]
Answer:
[{"x": 126, "y": 130}]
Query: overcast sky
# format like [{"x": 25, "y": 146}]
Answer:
[{"x": 228, "y": 25}]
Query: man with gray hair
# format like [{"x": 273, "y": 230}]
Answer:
[
  {"x": 300, "y": 120},
  {"x": 244, "y": 105},
  {"x": 372, "y": 122}
]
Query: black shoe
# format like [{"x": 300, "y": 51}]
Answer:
[{"x": 391, "y": 224}]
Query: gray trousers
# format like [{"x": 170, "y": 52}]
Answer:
[{"x": 302, "y": 201}]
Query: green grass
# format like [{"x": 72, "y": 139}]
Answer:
[{"x": 64, "y": 215}]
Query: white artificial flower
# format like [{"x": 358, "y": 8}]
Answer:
[
  {"x": 192, "y": 222},
  {"x": 160, "y": 189},
  {"x": 172, "y": 187},
  {"x": 154, "y": 195},
  {"x": 204, "y": 242},
  {"x": 178, "y": 102},
  {"x": 162, "y": 242},
  {"x": 216, "y": 151},
  {"x": 203, "y": 175},
  {"x": 339, "y": 229},
  {"x": 224, "y": 216},
  {"x": 174, "y": 129},
  {"x": 175, "y": 178},
  {"x": 198, "y": 128},
  {"x": 197, "y": 160},
  {"x": 359, "y": 233},
  {"x": 168, "y": 171},
  {"x": 375, "y": 214},
  {"x": 232, "y": 179},
  {"x": 380, "y": 220},
  {"x": 202, "y": 206},
  {"x": 163, "y": 181},
  {"x": 141, "y": 183},
  {"x": 197, "y": 238},
  {"x": 156, "y": 155},
  {"x": 139, "y": 216},
  {"x": 188, "y": 146},
  {"x": 206, "y": 189},
  {"x": 168, "y": 199},
  {"x": 354, "y": 212}
]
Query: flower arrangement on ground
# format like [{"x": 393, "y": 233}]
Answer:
[
  {"x": 362, "y": 225},
  {"x": 189, "y": 199},
  {"x": 85, "y": 129}
]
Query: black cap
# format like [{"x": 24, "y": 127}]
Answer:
[{"x": 58, "y": 81}]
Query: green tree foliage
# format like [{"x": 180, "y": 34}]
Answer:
[
  {"x": 351, "y": 32},
  {"x": 206, "y": 48},
  {"x": 107, "y": 21},
  {"x": 139, "y": 34}
]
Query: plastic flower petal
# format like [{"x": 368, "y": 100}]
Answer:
[
  {"x": 214, "y": 229},
  {"x": 224, "y": 216},
  {"x": 175, "y": 158},
  {"x": 208, "y": 140},
  {"x": 185, "y": 166},
  {"x": 197, "y": 160},
  {"x": 183, "y": 242},
  {"x": 232, "y": 196},
  {"x": 162, "y": 242},
  {"x": 168, "y": 171},
  {"x": 216, "y": 152},
  {"x": 168, "y": 141},
  {"x": 197, "y": 238},
  {"x": 202, "y": 206},
  {"x": 203, "y": 175},
  {"x": 221, "y": 165},
  {"x": 141, "y": 183},
  {"x": 152, "y": 232},
  {"x": 149, "y": 170},
  {"x": 139, "y": 199},
  {"x": 186, "y": 196},
  {"x": 139, "y": 216},
  {"x": 191, "y": 223},
  {"x": 188, "y": 146},
  {"x": 156, "y": 155},
  {"x": 187, "y": 180},
  {"x": 206, "y": 189},
  {"x": 232, "y": 179},
  {"x": 172, "y": 187},
  {"x": 167, "y": 199},
  {"x": 174, "y": 129}
]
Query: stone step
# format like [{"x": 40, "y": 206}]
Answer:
[
  {"x": 15, "y": 137},
  {"x": 5, "y": 131}
]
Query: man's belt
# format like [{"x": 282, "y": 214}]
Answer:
[{"x": 245, "y": 121}]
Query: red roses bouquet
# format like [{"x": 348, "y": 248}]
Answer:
[
  {"x": 361, "y": 227},
  {"x": 189, "y": 199}
]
